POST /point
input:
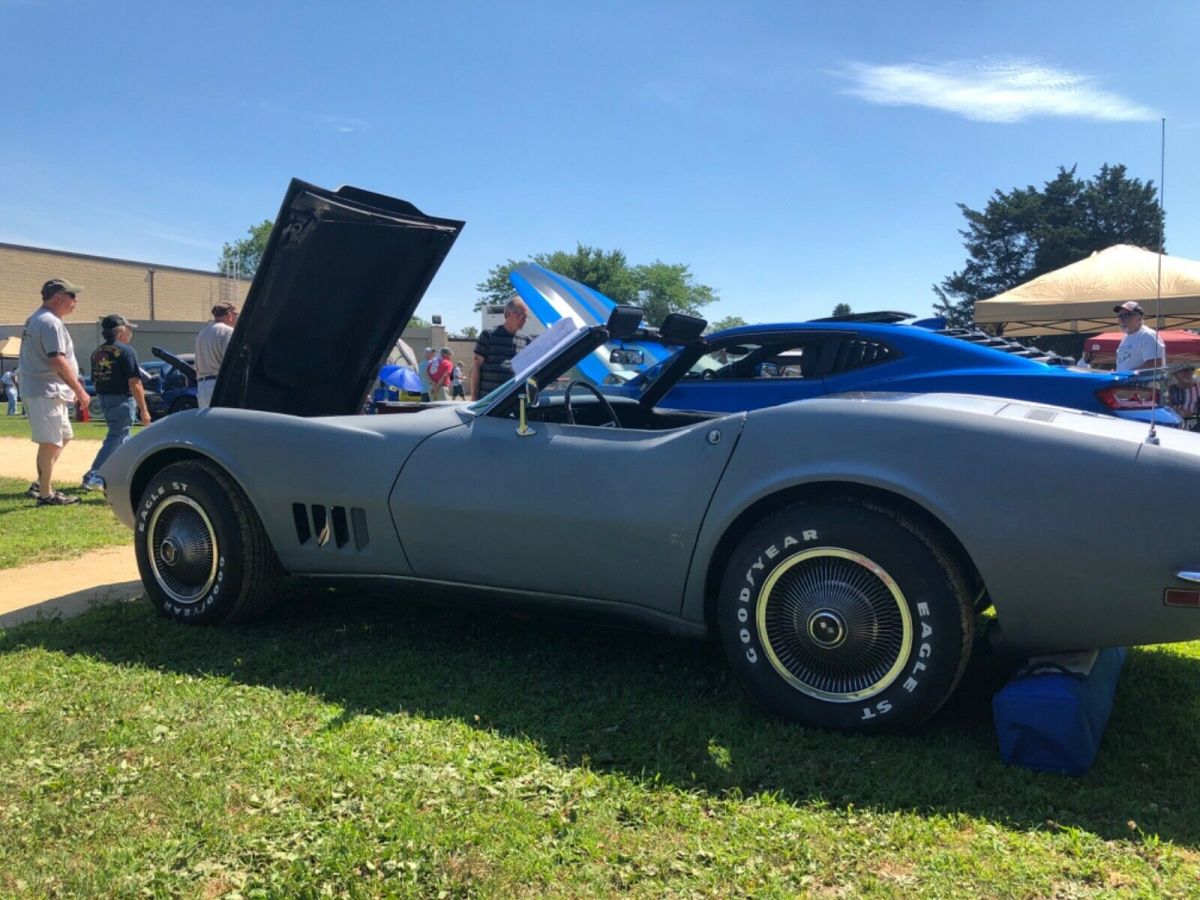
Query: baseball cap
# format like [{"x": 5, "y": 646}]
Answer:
[
  {"x": 1129, "y": 306},
  {"x": 108, "y": 323},
  {"x": 55, "y": 285}
]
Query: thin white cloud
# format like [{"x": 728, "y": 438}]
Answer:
[
  {"x": 340, "y": 124},
  {"x": 1009, "y": 90},
  {"x": 343, "y": 124}
]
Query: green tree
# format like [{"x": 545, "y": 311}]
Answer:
[
  {"x": 727, "y": 322},
  {"x": 1028, "y": 232},
  {"x": 469, "y": 332},
  {"x": 242, "y": 257},
  {"x": 660, "y": 288},
  {"x": 418, "y": 322},
  {"x": 842, "y": 309},
  {"x": 609, "y": 273}
]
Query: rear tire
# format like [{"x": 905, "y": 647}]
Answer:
[
  {"x": 201, "y": 549},
  {"x": 182, "y": 404},
  {"x": 846, "y": 614}
]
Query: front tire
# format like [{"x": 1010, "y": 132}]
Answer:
[
  {"x": 846, "y": 614},
  {"x": 201, "y": 549}
]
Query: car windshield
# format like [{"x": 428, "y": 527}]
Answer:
[
  {"x": 628, "y": 366},
  {"x": 548, "y": 344},
  {"x": 614, "y": 364}
]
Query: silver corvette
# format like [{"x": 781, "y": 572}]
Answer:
[{"x": 844, "y": 550}]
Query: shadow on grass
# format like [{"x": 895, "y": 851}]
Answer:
[{"x": 667, "y": 710}]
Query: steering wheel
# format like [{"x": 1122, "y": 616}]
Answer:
[{"x": 613, "y": 421}]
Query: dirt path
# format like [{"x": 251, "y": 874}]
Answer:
[
  {"x": 18, "y": 459},
  {"x": 64, "y": 587},
  {"x": 68, "y": 587}
]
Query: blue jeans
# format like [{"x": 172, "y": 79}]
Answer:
[
  {"x": 118, "y": 415},
  {"x": 11, "y": 393}
]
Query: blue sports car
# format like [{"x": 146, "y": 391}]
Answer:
[
  {"x": 171, "y": 387},
  {"x": 755, "y": 366}
]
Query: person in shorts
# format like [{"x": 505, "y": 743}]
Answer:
[
  {"x": 440, "y": 376},
  {"x": 456, "y": 382},
  {"x": 50, "y": 384}
]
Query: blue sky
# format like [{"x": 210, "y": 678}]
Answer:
[{"x": 794, "y": 154}]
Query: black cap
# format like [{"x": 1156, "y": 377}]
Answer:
[{"x": 113, "y": 322}]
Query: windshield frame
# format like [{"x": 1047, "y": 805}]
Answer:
[{"x": 581, "y": 342}]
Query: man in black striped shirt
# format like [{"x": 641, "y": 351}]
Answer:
[{"x": 495, "y": 349}]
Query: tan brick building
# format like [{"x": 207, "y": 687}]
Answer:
[
  {"x": 169, "y": 304},
  {"x": 142, "y": 292}
]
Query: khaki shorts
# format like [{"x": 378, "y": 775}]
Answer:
[{"x": 49, "y": 420}]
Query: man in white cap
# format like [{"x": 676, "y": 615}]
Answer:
[
  {"x": 50, "y": 384},
  {"x": 1141, "y": 348}
]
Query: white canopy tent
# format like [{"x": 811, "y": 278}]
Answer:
[
  {"x": 1079, "y": 298},
  {"x": 10, "y": 348}
]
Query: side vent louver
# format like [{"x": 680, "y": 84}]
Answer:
[{"x": 329, "y": 526}]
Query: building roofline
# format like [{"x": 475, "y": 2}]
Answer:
[{"x": 158, "y": 267}]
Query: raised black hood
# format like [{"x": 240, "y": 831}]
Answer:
[
  {"x": 188, "y": 370},
  {"x": 342, "y": 273}
]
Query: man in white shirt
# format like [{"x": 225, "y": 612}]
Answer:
[
  {"x": 1141, "y": 348},
  {"x": 50, "y": 384},
  {"x": 210, "y": 350}
]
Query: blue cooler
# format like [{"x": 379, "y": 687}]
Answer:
[{"x": 1052, "y": 715}]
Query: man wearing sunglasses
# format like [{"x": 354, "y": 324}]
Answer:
[
  {"x": 1141, "y": 348},
  {"x": 50, "y": 384}
]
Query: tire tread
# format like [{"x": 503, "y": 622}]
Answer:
[{"x": 262, "y": 569}]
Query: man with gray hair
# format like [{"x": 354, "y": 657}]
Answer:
[
  {"x": 496, "y": 347},
  {"x": 50, "y": 384},
  {"x": 211, "y": 343}
]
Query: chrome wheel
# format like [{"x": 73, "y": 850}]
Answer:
[
  {"x": 834, "y": 624},
  {"x": 182, "y": 549}
]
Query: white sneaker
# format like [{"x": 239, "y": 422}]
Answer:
[{"x": 95, "y": 483}]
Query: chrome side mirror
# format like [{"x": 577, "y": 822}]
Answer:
[{"x": 529, "y": 398}]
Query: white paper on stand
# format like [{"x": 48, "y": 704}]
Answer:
[{"x": 542, "y": 346}]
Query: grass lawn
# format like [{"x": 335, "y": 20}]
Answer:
[
  {"x": 33, "y": 535},
  {"x": 360, "y": 745},
  {"x": 18, "y": 426}
]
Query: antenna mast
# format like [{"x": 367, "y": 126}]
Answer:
[{"x": 1152, "y": 437}]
